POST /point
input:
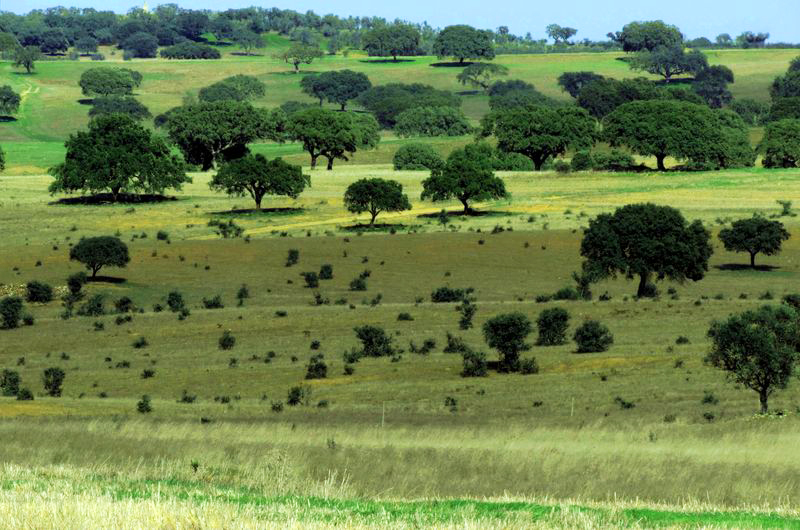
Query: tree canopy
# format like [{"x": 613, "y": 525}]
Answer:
[
  {"x": 235, "y": 88},
  {"x": 432, "y": 121},
  {"x": 480, "y": 75},
  {"x": 560, "y": 33},
  {"x": 247, "y": 40},
  {"x": 338, "y": 86},
  {"x": 539, "y": 132},
  {"x": 257, "y": 176},
  {"x": 119, "y": 105},
  {"x": 117, "y": 154},
  {"x": 26, "y": 57},
  {"x": 757, "y": 348},
  {"x": 711, "y": 84},
  {"x": 140, "y": 44},
  {"x": 98, "y": 252},
  {"x": 299, "y": 53},
  {"x": 393, "y": 41},
  {"x": 332, "y": 134},
  {"x": 109, "y": 81},
  {"x": 507, "y": 333},
  {"x": 467, "y": 175},
  {"x": 9, "y": 101},
  {"x": 641, "y": 36},
  {"x": 573, "y": 82},
  {"x": 669, "y": 61},
  {"x": 386, "y": 102},
  {"x": 754, "y": 236},
  {"x": 645, "y": 240},
  {"x": 463, "y": 42},
  {"x": 375, "y": 195},
  {"x": 781, "y": 144}
]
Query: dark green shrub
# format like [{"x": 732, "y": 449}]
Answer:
[
  {"x": 10, "y": 311},
  {"x": 567, "y": 293},
  {"x": 358, "y": 284},
  {"x": 124, "y": 305},
  {"x": 528, "y": 366},
  {"x": 317, "y": 369},
  {"x": 162, "y": 235},
  {"x": 277, "y": 406},
  {"x": 375, "y": 342},
  {"x": 349, "y": 369},
  {"x": 417, "y": 157},
  {"x": 187, "y": 398},
  {"x": 623, "y": 404},
  {"x": 467, "y": 310},
  {"x": 792, "y": 300},
  {"x": 227, "y": 341},
  {"x": 312, "y": 280},
  {"x": 507, "y": 333},
  {"x": 405, "y": 317},
  {"x": 175, "y": 301},
  {"x": 448, "y": 294},
  {"x": 709, "y": 398},
  {"x": 39, "y": 292},
  {"x": 76, "y": 281},
  {"x": 147, "y": 373},
  {"x": 552, "y": 325},
  {"x": 296, "y": 395},
  {"x": 592, "y": 337},
  {"x": 9, "y": 382},
  {"x": 475, "y": 364},
  {"x": 293, "y": 257},
  {"x": 502, "y": 161},
  {"x": 582, "y": 161},
  {"x": 190, "y": 50},
  {"x": 143, "y": 406},
  {"x": 140, "y": 343},
  {"x": 455, "y": 345},
  {"x": 53, "y": 379},
  {"x": 561, "y": 166},
  {"x": 242, "y": 294},
  {"x": 326, "y": 272},
  {"x": 213, "y": 303},
  {"x": 93, "y": 307},
  {"x": 27, "y": 319},
  {"x": 24, "y": 394},
  {"x": 614, "y": 161}
]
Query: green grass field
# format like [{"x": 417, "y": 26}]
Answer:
[{"x": 381, "y": 447}]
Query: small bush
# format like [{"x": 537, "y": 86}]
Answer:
[
  {"x": 561, "y": 166},
  {"x": 213, "y": 303},
  {"x": 326, "y": 272},
  {"x": 10, "y": 311},
  {"x": 296, "y": 395},
  {"x": 593, "y": 337},
  {"x": 175, "y": 301},
  {"x": 614, "y": 161},
  {"x": 358, "y": 284},
  {"x": 528, "y": 366},
  {"x": 582, "y": 161},
  {"x": 190, "y": 50},
  {"x": 567, "y": 293},
  {"x": 417, "y": 157},
  {"x": 467, "y": 310},
  {"x": 187, "y": 398},
  {"x": 53, "y": 379},
  {"x": 455, "y": 345},
  {"x": 93, "y": 307},
  {"x": 242, "y": 294},
  {"x": 792, "y": 300},
  {"x": 682, "y": 340},
  {"x": 405, "y": 317},
  {"x": 140, "y": 343},
  {"x": 162, "y": 236},
  {"x": 623, "y": 404},
  {"x": 277, "y": 406},
  {"x": 349, "y": 369},
  {"x": 76, "y": 281},
  {"x": 552, "y": 325},
  {"x": 124, "y": 305},
  {"x": 317, "y": 369},
  {"x": 227, "y": 341},
  {"x": 143, "y": 406},
  {"x": 147, "y": 373},
  {"x": 38, "y": 292},
  {"x": 24, "y": 394},
  {"x": 448, "y": 294},
  {"x": 9, "y": 382},
  {"x": 475, "y": 364},
  {"x": 293, "y": 257},
  {"x": 709, "y": 398},
  {"x": 375, "y": 341},
  {"x": 312, "y": 280}
]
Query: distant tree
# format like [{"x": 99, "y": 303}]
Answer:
[
  {"x": 258, "y": 177},
  {"x": 514, "y": 94},
  {"x": 98, "y": 252},
  {"x": 142, "y": 44},
  {"x": 724, "y": 40},
  {"x": 432, "y": 121},
  {"x": 375, "y": 341},
  {"x": 338, "y": 86},
  {"x": 247, "y": 40},
  {"x": 386, "y": 102},
  {"x": 480, "y": 75},
  {"x": 560, "y": 34},
  {"x": 53, "y": 41},
  {"x": 9, "y": 101},
  {"x": 109, "y": 81},
  {"x": 758, "y": 348},
  {"x": 573, "y": 82},
  {"x": 711, "y": 84},
  {"x": 751, "y": 111},
  {"x": 467, "y": 176},
  {"x": 119, "y": 105},
  {"x": 53, "y": 379},
  {"x": 375, "y": 195},
  {"x": 192, "y": 24},
  {"x": 552, "y": 324},
  {"x": 786, "y": 86},
  {"x": 592, "y": 337},
  {"x": 211, "y": 132},
  {"x": 639, "y": 36},
  {"x": 755, "y": 235},
  {"x": 463, "y": 42},
  {"x": 669, "y": 61},
  {"x": 8, "y": 43},
  {"x": 332, "y": 134},
  {"x": 10, "y": 312},
  {"x": 781, "y": 144},
  {"x": 117, "y": 154},
  {"x": 540, "y": 133},
  {"x": 299, "y": 53},
  {"x": 235, "y": 88},
  {"x": 602, "y": 96},
  {"x": 507, "y": 333},
  {"x": 26, "y": 57},
  {"x": 748, "y": 39},
  {"x": 783, "y": 109},
  {"x": 190, "y": 50},
  {"x": 391, "y": 41},
  {"x": 416, "y": 157},
  {"x": 86, "y": 45},
  {"x": 645, "y": 240}
]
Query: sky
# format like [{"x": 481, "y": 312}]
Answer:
[{"x": 592, "y": 18}]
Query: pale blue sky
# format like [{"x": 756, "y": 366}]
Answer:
[{"x": 593, "y": 18}]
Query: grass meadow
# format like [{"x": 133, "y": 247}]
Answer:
[{"x": 404, "y": 442}]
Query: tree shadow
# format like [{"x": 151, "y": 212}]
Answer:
[
  {"x": 242, "y": 54},
  {"x": 7, "y": 119},
  {"x": 462, "y": 213},
  {"x": 298, "y": 73},
  {"x": 377, "y": 227},
  {"x": 106, "y": 279},
  {"x": 452, "y": 65},
  {"x": 107, "y": 198},
  {"x": 381, "y": 61},
  {"x": 262, "y": 211},
  {"x": 469, "y": 93},
  {"x": 745, "y": 267},
  {"x": 86, "y": 101}
]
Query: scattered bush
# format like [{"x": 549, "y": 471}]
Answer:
[
  {"x": 38, "y": 292},
  {"x": 475, "y": 364},
  {"x": 358, "y": 284},
  {"x": 213, "y": 303},
  {"x": 448, "y": 294},
  {"x": 567, "y": 293},
  {"x": 623, "y": 404},
  {"x": 296, "y": 395},
  {"x": 529, "y": 366},
  {"x": 143, "y": 406},
  {"x": 24, "y": 394},
  {"x": 375, "y": 341},
  {"x": 405, "y": 317},
  {"x": 147, "y": 373},
  {"x": 53, "y": 379},
  {"x": 593, "y": 337},
  {"x": 317, "y": 369},
  {"x": 9, "y": 382},
  {"x": 326, "y": 272},
  {"x": 507, "y": 333},
  {"x": 10, "y": 311},
  {"x": 455, "y": 345},
  {"x": 227, "y": 341},
  {"x": 552, "y": 325},
  {"x": 417, "y": 157},
  {"x": 190, "y": 50},
  {"x": 467, "y": 310},
  {"x": 140, "y": 343},
  {"x": 614, "y": 161},
  {"x": 93, "y": 307},
  {"x": 76, "y": 282},
  {"x": 293, "y": 257},
  {"x": 124, "y": 305},
  {"x": 312, "y": 280},
  {"x": 175, "y": 301},
  {"x": 582, "y": 161}
]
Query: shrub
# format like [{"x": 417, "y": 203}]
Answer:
[
  {"x": 10, "y": 311},
  {"x": 417, "y": 157},
  {"x": 502, "y": 161},
  {"x": 561, "y": 166},
  {"x": 448, "y": 294},
  {"x": 293, "y": 257},
  {"x": 124, "y": 305},
  {"x": 317, "y": 369},
  {"x": 349, "y": 369},
  {"x": 311, "y": 278},
  {"x": 190, "y": 50},
  {"x": 455, "y": 345},
  {"x": 213, "y": 303},
  {"x": 358, "y": 284},
  {"x": 24, "y": 394},
  {"x": 277, "y": 406},
  {"x": 592, "y": 337},
  {"x": 529, "y": 366},
  {"x": 187, "y": 398},
  {"x": 53, "y": 379},
  {"x": 39, "y": 292},
  {"x": 175, "y": 301},
  {"x": 475, "y": 364},
  {"x": 614, "y": 161},
  {"x": 147, "y": 373},
  {"x": 227, "y": 341},
  {"x": 296, "y": 395},
  {"x": 623, "y": 404},
  {"x": 428, "y": 345},
  {"x": 140, "y": 343},
  {"x": 792, "y": 300},
  {"x": 432, "y": 121},
  {"x": 162, "y": 235},
  {"x": 405, "y": 317},
  {"x": 326, "y": 272},
  {"x": 143, "y": 406},
  {"x": 567, "y": 293},
  {"x": 94, "y": 307},
  {"x": 582, "y": 161},
  {"x": 9, "y": 382},
  {"x": 506, "y": 333},
  {"x": 76, "y": 282},
  {"x": 552, "y": 325},
  {"x": 709, "y": 398},
  {"x": 375, "y": 341},
  {"x": 467, "y": 310}
]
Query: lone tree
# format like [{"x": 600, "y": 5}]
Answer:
[
  {"x": 507, "y": 333},
  {"x": 98, "y": 252},
  {"x": 757, "y": 348},
  {"x": 258, "y": 176},
  {"x": 560, "y": 33},
  {"x": 669, "y": 61},
  {"x": 539, "y": 132},
  {"x": 53, "y": 379},
  {"x": 645, "y": 240},
  {"x": 391, "y": 41},
  {"x": 781, "y": 144},
  {"x": 9, "y": 101},
  {"x": 332, "y": 134},
  {"x": 299, "y": 53},
  {"x": 237, "y": 88},
  {"x": 212, "y": 132},
  {"x": 639, "y": 36},
  {"x": 754, "y": 235},
  {"x": 108, "y": 81},
  {"x": 338, "y": 86},
  {"x": 480, "y": 75},
  {"x": 247, "y": 40},
  {"x": 463, "y": 42},
  {"x": 26, "y": 57},
  {"x": 467, "y": 175},
  {"x": 119, "y": 155},
  {"x": 375, "y": 195}
]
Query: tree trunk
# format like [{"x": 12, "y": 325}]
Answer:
[
  {"x": 753, "y": 260},
  {"x": 644, "y": 280},
  {"x": 394, "y": 58},
  {"x": 343, "y": 105},
  {"x": 763, "y": 396},
  {"x": 95, "y": 269},
  {"x": 296, "y": 67},
  {"x": 314, "y": 161},
  {"x": 258, "y": 204},
  {"x": 330, "y": 163},
  {"x": 374, "y": 215},
  {"x": 660, "y": 161},
  {"x": 467, "y": 209},
  {"x": 115, "y": 194}
]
